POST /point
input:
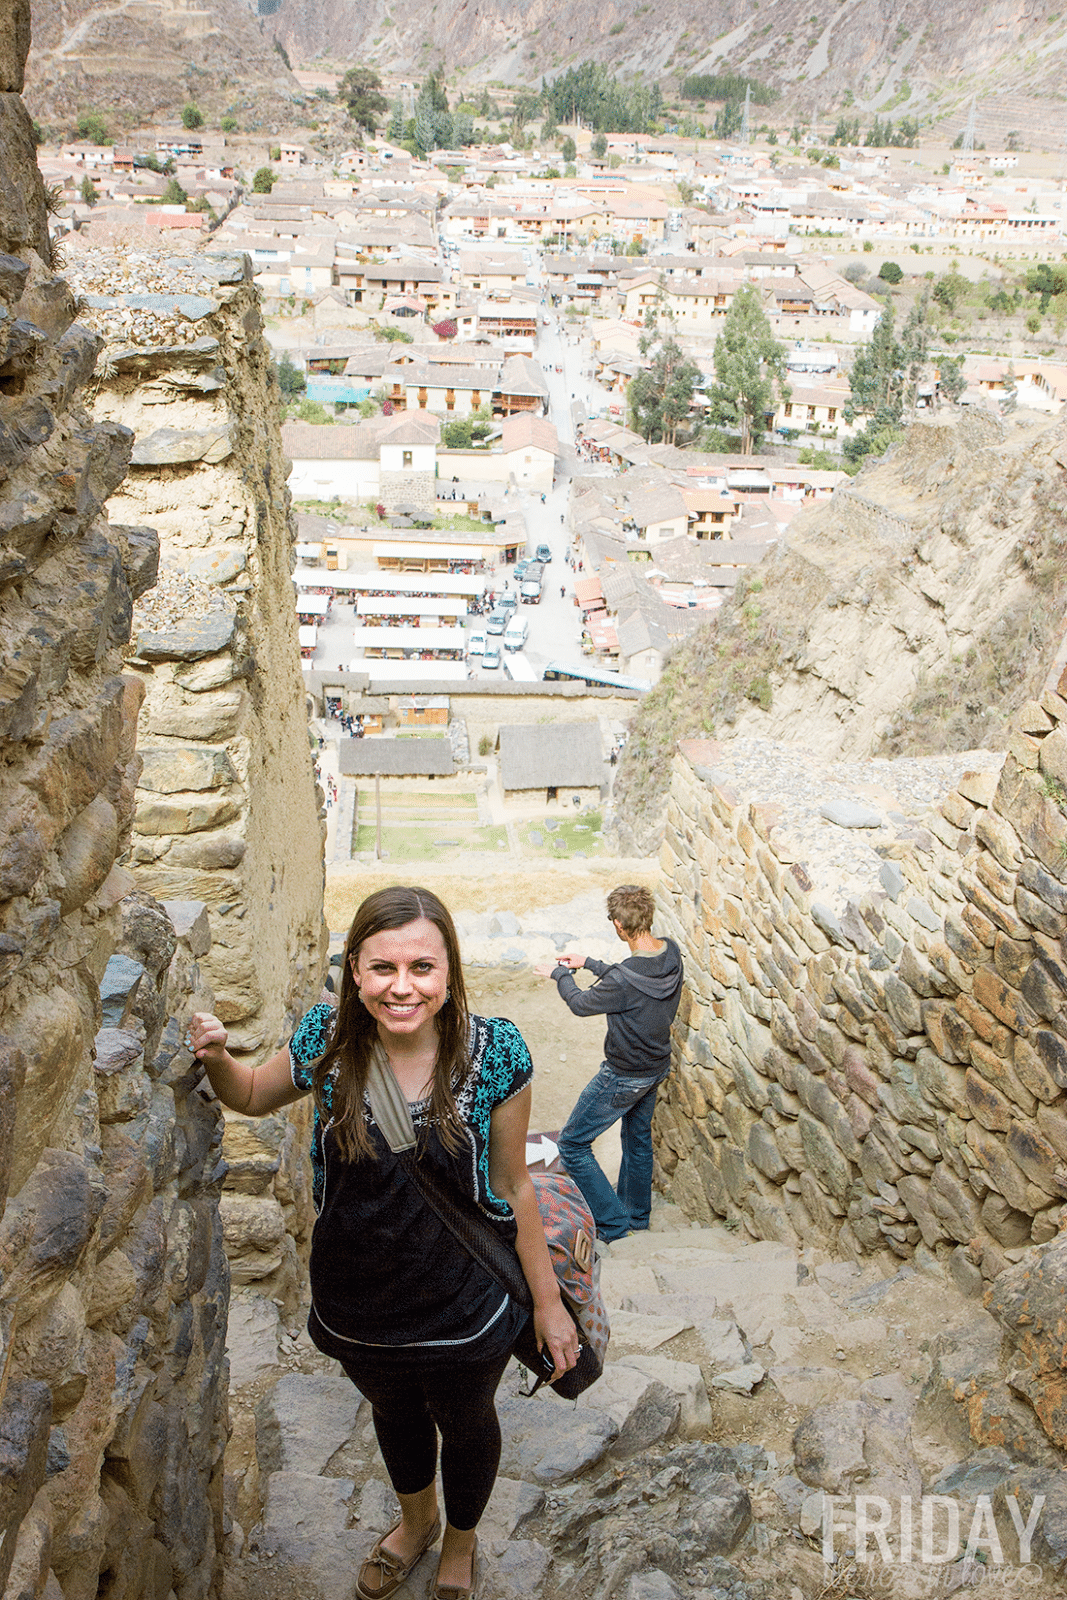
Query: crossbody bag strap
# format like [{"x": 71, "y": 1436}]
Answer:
[{"x": 390, "y": 1109}]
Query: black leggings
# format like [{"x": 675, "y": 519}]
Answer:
[{"x": 411, "y": 1402}]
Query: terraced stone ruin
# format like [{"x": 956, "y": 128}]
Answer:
[{"x": 855, "y": 1280}]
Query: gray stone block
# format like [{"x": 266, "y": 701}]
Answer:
[
  {"x": 847, "y": 814},
  {"x": 189, "y": 640},
  {"x": 892, "y": 879},
  {"x": 547, "y": 1442},
  {"x": 825, "y": 919},
  {"x": 191, "y": 924},
  {"x": 304, "y": 1420},
  {"x": 118, "y": 990},
  {"x": 179, "y": 447}
]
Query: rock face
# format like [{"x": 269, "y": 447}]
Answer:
[
  {"x": 114, "y": 1281},
  {"x": 813, "y": 53},
  {"x": 137, "y": 65},
  {"x": 886, "y": 1075},
  {"x": 227, "y": 808},
  {"x": 911, "y": 614}
]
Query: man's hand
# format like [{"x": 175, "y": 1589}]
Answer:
[
  {"x": 574, "y": 962},
  {"x": 545, "y": 969}
]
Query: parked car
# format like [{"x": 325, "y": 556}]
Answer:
[
  {"x": 508, "y": 601},
  {"x": 497, "y": 621},
  {"x": 518, "y": 572},
  {"x": 544, "y": 553},
  {"x": 517, "y": 630},
  {"x": 491, "y": 658},
  {"x": 476, "y": 644},
  {"x": 530, "y": 593}
]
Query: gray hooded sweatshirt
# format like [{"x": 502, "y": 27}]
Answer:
[{"x": 639, "y": 997}]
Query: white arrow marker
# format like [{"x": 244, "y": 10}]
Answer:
[{"x": 544, "y": 1150}]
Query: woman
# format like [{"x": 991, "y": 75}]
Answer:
[{"x": 420, "y": 1328}]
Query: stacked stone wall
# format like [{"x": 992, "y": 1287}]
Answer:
[
  {"x": 227, "y": 807},
  {"x": 113, "y": 1280},
  {"x": 884, "y": 1072}
]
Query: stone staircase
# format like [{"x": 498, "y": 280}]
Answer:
[{"x": 745, "y": 1383}]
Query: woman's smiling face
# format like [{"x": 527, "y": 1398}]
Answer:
[{"x": 403, "y": 977}]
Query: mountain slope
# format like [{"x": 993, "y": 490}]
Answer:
[
  {"x": 896, "y": 57},
  {"x": 912, "y": 614},
  {"x": 923, "y": 55},
  {"x": 134, "y": 60}
]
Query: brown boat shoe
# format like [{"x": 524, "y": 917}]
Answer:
[{"x": 383, "y": 1572}]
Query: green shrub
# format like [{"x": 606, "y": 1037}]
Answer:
[{"x": 92, "y": 126}]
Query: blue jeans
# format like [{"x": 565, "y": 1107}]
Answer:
[{"x": 608, "y": 1098}]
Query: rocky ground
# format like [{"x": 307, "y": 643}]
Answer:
[{"x": 743, "y": 1384}]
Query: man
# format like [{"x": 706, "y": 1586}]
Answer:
[{"x": 639, "y": 996}]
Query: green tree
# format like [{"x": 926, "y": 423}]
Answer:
[
  {"x": 728, "y": 120},
  {"x": 192, "y": 116},
  {"x": 395, "y": 130},
  {"x": 456, "y": 433},
  {"x": 914, "y": 346},
  {"x": 88, "y": 192},
  {"x": 434, "y": 88},
  {"x": 92, "y": 126},
  {"x": 174, "y": 194},
  {"x": 291, "y": 380},
  {"x": 873, "y": 440},
  {"x": 569, "y": 152},
  {"x": 1048, "y": 281},
  {"x": 877, "y": 376},
  {"x": 600, "y": 146},
  {"x": 951, "y": 380},
  {"x": 360, "y": 93},
  {"x": 660, "y": 397},
  {"x": 527, "y": 104},
  {"x": 949, "y": 290},
  {"x": 313, "y": 411},
  {"x": 889, "y": 272},
  {"x": 462, "y": 129},
  {"x": 749, "y": 370},
  {"x": 228, "y": 124},
  {"x": 263, "y": 181},
  {"x": 425, "y": 134}
]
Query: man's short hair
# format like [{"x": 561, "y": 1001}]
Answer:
[{"x": 632, "y": 908}]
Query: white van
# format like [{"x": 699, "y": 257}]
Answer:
[
  {"x": 515, "y": 633},
  {"x": 520, "y": 670}
]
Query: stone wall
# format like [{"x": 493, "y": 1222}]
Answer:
[
  {"x": 114, "y": 1282},
  {"x": 872, "y": 1048},
  {"x": 227, "y": 808},
  {"x": 407, "y": 488}
]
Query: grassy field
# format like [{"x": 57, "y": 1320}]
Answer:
[{"x": 562, "y": 837}]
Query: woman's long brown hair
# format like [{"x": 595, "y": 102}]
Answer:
[{"x": 355, "y": 1030}]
